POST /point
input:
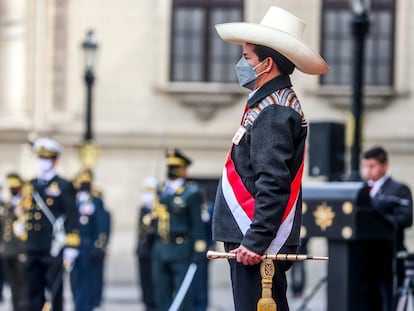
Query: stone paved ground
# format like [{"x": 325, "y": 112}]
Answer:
[{"x": 125, "y": 295}]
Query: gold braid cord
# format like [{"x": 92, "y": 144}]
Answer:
[
  {"x": 27, "y": 199},
  {"x": 160, "y": 212},
  {"x": 25, "y": 205},
  {"x": 267, "y": 271}
]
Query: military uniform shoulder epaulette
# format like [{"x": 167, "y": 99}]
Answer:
[{"x": 97, "y": 193}]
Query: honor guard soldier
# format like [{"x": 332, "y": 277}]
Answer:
[
  {"x": 52, "y": 228},
  {"x": 14, "y": 257},
  {"x": 102, "y": 245},
  {"x": 145, "y": 241},
  {"x": 91, "y": 221},
  {"x": 1, "y": 243},
  {"x": 179, "y": 232}
]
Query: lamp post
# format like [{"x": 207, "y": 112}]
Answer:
[
  {"x": 359, "y": 29},
  {"x": 89, "y": 47},
  {"x": 88, "y": 152}
]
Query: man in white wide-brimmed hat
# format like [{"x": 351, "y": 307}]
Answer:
[{"x": 258, "y": 203}]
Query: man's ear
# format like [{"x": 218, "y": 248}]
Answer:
[{"x": 271, "y": 64}]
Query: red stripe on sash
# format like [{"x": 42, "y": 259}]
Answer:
[
  {"x": 246, "y": 200},
  {"x": 294, "y": 190},
  {"x": 243, "y": 196}
]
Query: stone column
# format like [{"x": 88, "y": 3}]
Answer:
[{"x": 12, "y": 63}]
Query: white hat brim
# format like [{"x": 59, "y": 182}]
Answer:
[{"x": 304, "y": 58}]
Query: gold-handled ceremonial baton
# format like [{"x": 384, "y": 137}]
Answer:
[
  {"x": 267, "y": 271},
  {"x": 288, "y": 257}
]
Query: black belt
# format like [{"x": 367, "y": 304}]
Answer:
[{"x": 178, "y": 238}]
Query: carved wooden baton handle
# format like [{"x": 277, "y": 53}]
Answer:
[{"x": 289, "y": 257}]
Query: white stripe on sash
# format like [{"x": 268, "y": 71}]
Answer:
[
  {"x": 283, "y": 233},
  {"x": 238, "y": 213},
  {"x": 244, "y": 222}
]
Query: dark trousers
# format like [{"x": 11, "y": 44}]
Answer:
[
  {"x": 98, "y": 271},
  {"x": 201, "y": 286},
  {"x": 14, "y": 269},
  {"x": 168, "y": 275},
  {"x": 146, "y": 284},
  {"x": 247, "y": 286},
  {"x": 44, "y": 272},
  {"x": 376, "y": 275},
  {"x": 298, "y": 273},
  {"x": 81, "y": 280},
  {"x": 298, "y": 278},
  {"x": 1, "y": 278}
]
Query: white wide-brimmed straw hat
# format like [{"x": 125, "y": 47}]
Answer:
[{"x": 281, "y": 31}]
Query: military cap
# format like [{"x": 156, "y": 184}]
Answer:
[
  {"x": 47, "y": 148},
  {"x": 14, "y": 180},
  {"x": 85, "y": 175},
  {"x": 176, "y": 157}
]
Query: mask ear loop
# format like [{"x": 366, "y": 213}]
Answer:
[{"x": 264, "y": 71}]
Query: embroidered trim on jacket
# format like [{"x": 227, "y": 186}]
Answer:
[{"x": 284, "y": 97}]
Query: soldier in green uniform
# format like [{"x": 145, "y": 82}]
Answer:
[
  {"x": 13, "y": 253},
  {"x": 179, "y": 232},
  {"x": 145, "y": 239}
]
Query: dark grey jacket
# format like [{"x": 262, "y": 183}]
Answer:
[
  {"x": 268, "y": 157},
  {"x": 386, "y": 202}
]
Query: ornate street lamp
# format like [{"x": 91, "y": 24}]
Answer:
[
  {"x": 359, "y": 28},
  {"x": 89, "y": 47},
  {"x": 88, "y": 152}
]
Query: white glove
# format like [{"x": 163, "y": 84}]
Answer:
[
  {"x": 18, "y": 228},
  {"x": 87, "y": 208},
  {"x": 69, "y": 256},
  {"x": 147, "y": 198}
]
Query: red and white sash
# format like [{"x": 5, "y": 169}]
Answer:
[{"x": 241, "y": 203}]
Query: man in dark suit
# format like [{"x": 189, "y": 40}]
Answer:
[
  {"x": 393, "y": 201},
  {"x": 180, "y": 237},
  {"x": 52, "y": 228},
  {"x": 258, "y": 206}
]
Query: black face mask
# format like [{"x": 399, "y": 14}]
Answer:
[
  {"x": 85, "y": 186},
  {"x": 173, "y": 171}
]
